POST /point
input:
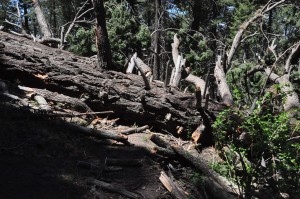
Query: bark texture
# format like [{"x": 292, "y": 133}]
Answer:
[
  {"x": 222, "y": 83},
  {"x": 156, "y": 67},
  {"x": 41, "y": 19},
  {"x": 102, "y": 42},
  {"x": 38, "y": 66}
]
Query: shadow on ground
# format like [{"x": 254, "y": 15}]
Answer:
[{"x": 38, "y": 159}]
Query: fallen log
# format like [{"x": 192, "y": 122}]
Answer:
[
  {"x": 217, "y": 185},
  {"x": 134, "y": 130},
  {"x": 113, "y": 188},
  {"x": 101, "y": 134},
  {"x": 39, "y": 66}
]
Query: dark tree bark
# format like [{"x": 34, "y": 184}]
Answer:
[
  {"x": 36, "y": 65},
  {"x": 196, "y": 15},
  {"x": 26, "y": 23},
  {"x": 156, "y": 65},
  {"x": 102, "y": 42}
]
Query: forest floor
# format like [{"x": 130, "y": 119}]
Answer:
[{"x": 39, "y": 158}]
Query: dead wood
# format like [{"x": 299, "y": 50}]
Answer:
[
  {"x": 131, "y": 63},
  {"x": 163, "y": 151},
  {"x": 39, "y": 66},
  {"x": 218, "y": 186},
  {"x": 179, "y": 72},
  {"x": 112, "y": 188},
  {"x": 172, "y": 186},
  {"x": 159, "y": 141},
  {"x": 143, "y": 72},
  {"x": 75, "y": 103},
  {"x": 222, "y": 83},
  {"x": 134, "y": 130},
  {"x": 101, "y": 134}
]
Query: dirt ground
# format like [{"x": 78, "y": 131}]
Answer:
[{"x": 40, "y": 159}]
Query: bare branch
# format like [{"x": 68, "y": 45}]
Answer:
[
  {"x": 272, "y": 49},
  {"x": 238, "y": 37},
  {"x": 295, "y": 48},
  {"x": 222, "y": 83},
  {"x": 77, "y": 16}
]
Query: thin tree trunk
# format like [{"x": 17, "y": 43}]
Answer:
[
  {"x": 196, "y": 15},
  {"x": 26, "y": 24},
  {"x": 156, "y": 67},
  {"x": 102, "y": 42},
  {"x": 45, "y": 30}
]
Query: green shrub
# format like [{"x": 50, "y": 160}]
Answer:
[{"x": 257, "y": 148}]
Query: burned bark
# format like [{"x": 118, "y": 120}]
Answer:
[{"x": 38, "y": 66}]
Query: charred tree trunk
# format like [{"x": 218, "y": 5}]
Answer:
[
  {"x": 39, "y": 66},
  {"x": 102, "y": 42}
]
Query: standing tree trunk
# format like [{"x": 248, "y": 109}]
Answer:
[
  {"x": 102, "y": 42},
  {"x": 41, "y": 19},
  {"x": 26, "y": 24},
  {"x": 53, "y": 22},
  {"x": 156, "y": 67},
  {"x": 196, "y": 15}
]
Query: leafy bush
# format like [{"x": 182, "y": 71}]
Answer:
[{"x": 258, "y": 148}]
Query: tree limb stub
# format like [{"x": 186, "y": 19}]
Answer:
[
  {"x": 131, "y": 63},
  {"x": 139, "y": 66}
]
